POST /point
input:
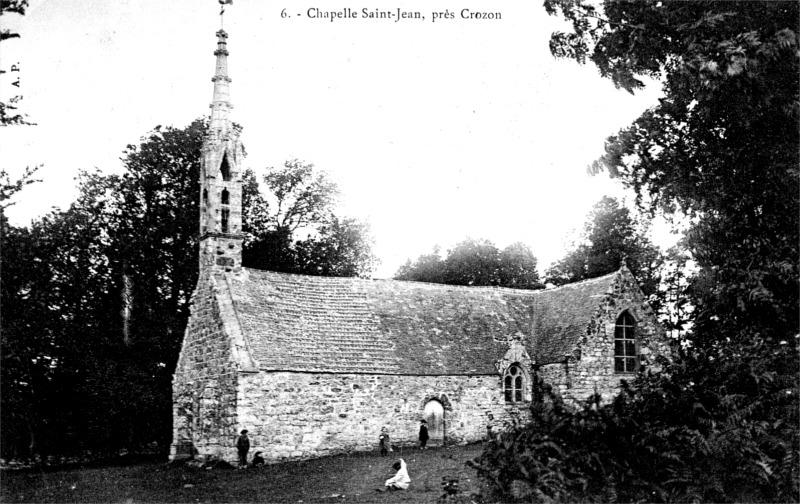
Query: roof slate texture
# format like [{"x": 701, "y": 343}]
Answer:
[
  {"x": 351, "y": 325},
  {"x": 562, "y": 317}
]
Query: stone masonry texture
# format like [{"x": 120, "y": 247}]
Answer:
[
  {"x": 205, "y": 383},
  {"x": 305, "y": 415},
  {"x": 314, "y": 366}
]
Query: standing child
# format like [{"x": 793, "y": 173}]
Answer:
[
  {"x": 423, "y": 434},
  {"x": 243, "y": 446},
  {"x": 383, "y": 441}
]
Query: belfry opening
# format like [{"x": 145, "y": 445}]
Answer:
[{"x": 225, "y": 169}]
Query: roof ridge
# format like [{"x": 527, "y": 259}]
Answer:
[
  {"x": 581, "y": 282},
  {"x": 457, "y": 287}
]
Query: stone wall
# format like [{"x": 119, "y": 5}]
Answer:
[
  {"x": 204, "y": 384},
  {"x": 590, "y": 368},
  {"x": 305, "y": 415},
  {"x": 555, "y": 376}
]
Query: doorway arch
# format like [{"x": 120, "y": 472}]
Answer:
[{"x": 434, "y": 415}]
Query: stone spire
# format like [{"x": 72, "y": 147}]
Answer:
[
  {"x": 221, "y": 105},
  {"x": 220, "y": 177}
]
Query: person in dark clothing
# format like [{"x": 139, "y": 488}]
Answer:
[
  {"x": 243, "y": 446},
  {"x": 258, "y": 460},
  {"x": 423, "y": 434},
  {"x": 383, "y": 442}
]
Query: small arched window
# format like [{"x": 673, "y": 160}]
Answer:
[
  {"x": 514, "y": 384},
  {"x": 225, "y": 169},
  {"x": 625, "y": 351},
  {"x": 225, "y": 217},
  {"x": 225, "y": 199}
]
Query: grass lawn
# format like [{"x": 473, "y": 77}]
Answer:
[{"x": 346, "y": 478}]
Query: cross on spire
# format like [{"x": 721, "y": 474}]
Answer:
[{"x": 222, "y": 4}]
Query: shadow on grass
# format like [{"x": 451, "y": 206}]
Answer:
[{"x": 344, "y": 478}]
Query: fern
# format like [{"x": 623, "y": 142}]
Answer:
[{"x": 704, "y": 430}]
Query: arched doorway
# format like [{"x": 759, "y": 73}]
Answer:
[{"x": 434, "y": 415}]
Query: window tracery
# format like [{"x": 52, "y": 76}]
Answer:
[
  {"x": 626, "y": 359},
  {"x": 514, "y": 384}
]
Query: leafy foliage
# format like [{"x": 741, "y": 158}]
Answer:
[
  {"x": 342, "y": 248},
  {"x": 677, "y": 312},
  {"x": 666, "y": 438},
  {"x": 472, "y": 262},
  {"x": 610, "y": 236},
  {"x": 476, "y": 262},
  {"x": 300, "y": 200},
  {"x": 721, "y": 145},
  {"x": 303, "y": 196},
  {"x": 9, "y": 188},
  {"x": 427, "y": 268},
  {"x": 101, "y": 302}
]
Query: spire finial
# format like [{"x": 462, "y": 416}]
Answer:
[{"x": 222, "y": 4}]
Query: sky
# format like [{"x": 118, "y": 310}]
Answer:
[{"x": 435, "y": 130}]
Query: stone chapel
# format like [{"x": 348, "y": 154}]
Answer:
[{"x": 313, "y": 366}]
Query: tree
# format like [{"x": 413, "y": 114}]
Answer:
[
  {"x": 518, "y": 267},
  {"x": 720, "y": 423},
  {"x": 24, "y": 340},
  {"x": 427, "y": 268},
  {"x": 610, "y": 235},
  {"x": 472, "y": 262},
  {"x": 56, "y": 315},
  {"x": 293, "y": 228},
  {"x": 304, "y": 197},
  {"x": 721, "y": 146},
  {"x": 677, "y": 310},
  {"x": 343, "y": 248},
  {"x": 154, "y": 211},
  {"x": 476, "y": 262}
]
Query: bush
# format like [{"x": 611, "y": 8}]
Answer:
[{"x": 716, "y": 427}]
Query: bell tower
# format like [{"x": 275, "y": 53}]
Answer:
[{"x": 220, "y": 178}]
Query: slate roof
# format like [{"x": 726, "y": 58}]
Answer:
[
  {"x": 351, "y": 325},
  {"x": 562, "y": 317}
]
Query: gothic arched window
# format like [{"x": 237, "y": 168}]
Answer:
[
  {"x": 514, "y": 384},
  {"x": 625, "y": 354},
  {"x": 226, "y": 197},
  {"x": 225, "y": 169}
]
